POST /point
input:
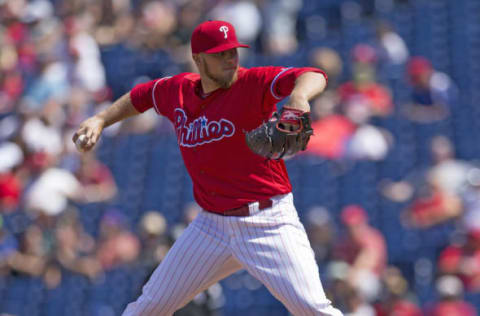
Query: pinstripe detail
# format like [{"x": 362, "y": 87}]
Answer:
[
  {"x": 199, "y": 263},
  {"x": 288, "y": 269},
  {"x": 298, "y": 269},
  {"x": 238, "y": 232},
  {"x": 277, "y": 285},
  {"x": 265, "y": 244},
  {"x": 281, "y": 218},
  {"x": 185, "y": 267},
  {"x": 210, "y": 280},
  {"x": 272, "y": 91},
  {"x": 306, "y": 284},
  {"x": 178, "y": 257},
  {"x": 199, "y": 268},
  {"x": 263, "y": 276}
]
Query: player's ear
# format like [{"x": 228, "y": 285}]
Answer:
[{"x": 196, "y": 58}]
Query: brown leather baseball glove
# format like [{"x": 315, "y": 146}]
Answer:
[{"x": 285, "y": 134}]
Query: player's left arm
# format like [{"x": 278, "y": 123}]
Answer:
[{"x": 307, "y": 86}]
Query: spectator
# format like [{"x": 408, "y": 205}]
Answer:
[
  {"x": 98, "y": 184},
  {"x": 346, "y": 131},
  {"x": 10, "y": 191},
  {"x": 244, "y": 15},
  {"x": 337, "y": 129},
  {"x": 363, "y": 94},
  {"x": 154, "y": 238},
  {"x": 330, "y": 61},
  {"x": 33, "y": 254},
  {"x": 463, "y": 260},
  {"x": 391, "y": 47},
  {"x": 434, "y": 94},
  {"x": 341, "y": 137},
  {"x": 58, "y": 184},
  {"x": 320, "y": 232},
  {"x": 470, "y": 196},
  {"x": 74, "y": 249},
  {"x": 364, "y": 248},
  {"x": 396, "y": 299},
  {"x": 451, "y": 303},
  {"x": 357, "y": 305},
  {"x": 88, "y": 70},
  {"x": 8, "y": 249},
  {"x": 279, "y": 27},
  {"x": 11, "y": 185},
  {"x": 338, "y": 286},
  {"x": 117, "y": 245},
  {"x": 434, "y": 192}
]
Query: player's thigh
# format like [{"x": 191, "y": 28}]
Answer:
[
  {"x": 194, "y": 257},
  {"x": 231, "y": 265},
  {"x": 278, "y": 253}
]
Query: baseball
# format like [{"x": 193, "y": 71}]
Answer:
[{"x": 80, "y": 142}]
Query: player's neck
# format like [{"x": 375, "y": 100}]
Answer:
[{"x": 208, "y": 87}]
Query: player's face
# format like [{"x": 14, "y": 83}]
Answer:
[{"x": 221, "y": 67}]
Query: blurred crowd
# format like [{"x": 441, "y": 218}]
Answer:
[{"x": 62, "y": 60}]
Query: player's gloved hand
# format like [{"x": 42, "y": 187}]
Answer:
[
  {"x": 285, "y": 134},
  {"x": 88, "y": 133}
]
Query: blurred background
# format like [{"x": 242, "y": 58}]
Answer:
[{"x": 388, "y": 190}]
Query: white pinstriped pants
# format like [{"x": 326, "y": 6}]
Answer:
[{"x": 271, "y": 245}]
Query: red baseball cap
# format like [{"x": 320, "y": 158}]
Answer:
[
  {"x": 418, "y": 66},
  {"x": 353, "y": 215},
  {"x": 214, "y": 37}
]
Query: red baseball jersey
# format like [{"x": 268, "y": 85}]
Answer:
[{"x": 210, "y": 131}]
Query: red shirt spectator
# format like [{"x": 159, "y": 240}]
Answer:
[
  {"x": 463, "y": 261},
  {"x": 400, "y": 307},
  {"x": 375, "y": 95},
  {"x": 452, "y": 308},
  {"x": 10, "y": 191},
  {"x": 365, "y": 246},
  {"x": 334, "y": 132}
]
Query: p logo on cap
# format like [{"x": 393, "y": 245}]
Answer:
[
  {"x": 224, "y": 29},
  {"x": 214, "y": 37}
]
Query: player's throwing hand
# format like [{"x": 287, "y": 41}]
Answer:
[{"x": 88, "y": 134}]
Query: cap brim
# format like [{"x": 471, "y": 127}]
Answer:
[{"x": 225, "y": 47}]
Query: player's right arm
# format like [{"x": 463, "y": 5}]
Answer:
[{"x": 93, "y": 126}]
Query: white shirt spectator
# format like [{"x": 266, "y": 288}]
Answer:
[
  {"x": 40, "y": 137},
  {"x": 89, "y": 69},
  {"x": 244, "y": 15},
  {"x": 10, "y": 156},
  {"x": 395, "y": 48},
  {"x": 51, "y": 191}
]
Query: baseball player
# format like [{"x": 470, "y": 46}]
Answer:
[{"x": 232, "y": 141}]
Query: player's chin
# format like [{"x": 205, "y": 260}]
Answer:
[{"x": 229, "y": 79}]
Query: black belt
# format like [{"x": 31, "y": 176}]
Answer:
[{"x": 245, "y": 209}]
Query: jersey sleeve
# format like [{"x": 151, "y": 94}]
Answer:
[
  {"x": 280, "y": 81},
  {"x": 283, "y": 84},
  {"x": 147, "y": 95}
]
